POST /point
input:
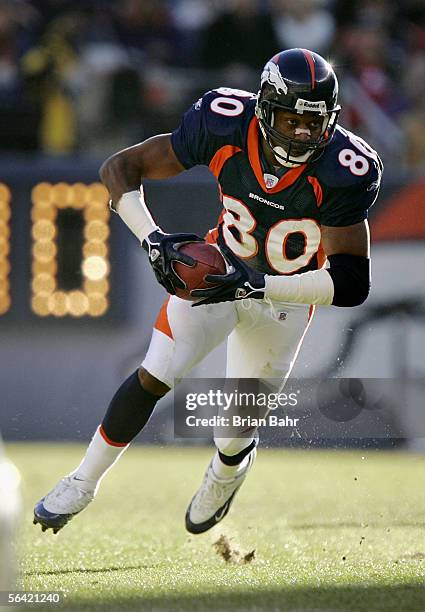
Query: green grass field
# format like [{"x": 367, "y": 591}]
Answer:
[{"x": 331, "y": 531}]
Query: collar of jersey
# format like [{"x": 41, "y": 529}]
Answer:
[{"x": 254, "y": 159}]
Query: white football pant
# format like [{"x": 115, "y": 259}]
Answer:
[{"x": 263, "y": 341}]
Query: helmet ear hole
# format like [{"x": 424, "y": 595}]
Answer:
[{"x": 266, "y": 113}]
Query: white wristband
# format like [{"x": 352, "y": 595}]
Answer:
[
  {"x": 315, "y": 287},
  {"x": 133, "y": 211}
]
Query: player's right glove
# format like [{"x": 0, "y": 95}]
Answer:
[
  {"x": 162, "y": 250},
  {"x": 239, "y": 283}
]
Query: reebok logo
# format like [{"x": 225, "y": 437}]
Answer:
[{"x": 254, "y": 196}]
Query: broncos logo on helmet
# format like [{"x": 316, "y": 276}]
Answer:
[{"x": 271, "y": 74}]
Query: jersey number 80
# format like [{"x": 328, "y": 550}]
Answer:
[{"x": 239, "y": 216}]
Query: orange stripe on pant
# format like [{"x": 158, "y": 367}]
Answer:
[{"x": 162, "y": 323}]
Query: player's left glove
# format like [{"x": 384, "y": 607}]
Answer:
[{"x": 239, "y": 283}]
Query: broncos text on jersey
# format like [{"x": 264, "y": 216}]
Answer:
[{"x": 274, "y": 223}]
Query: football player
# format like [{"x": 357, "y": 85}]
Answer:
[{"x": 295, "y": 189}]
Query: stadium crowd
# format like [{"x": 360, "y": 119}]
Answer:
[{"x": 90, "y": 76}]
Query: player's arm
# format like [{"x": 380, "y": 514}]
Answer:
[
  {"x": 122, "y": 174},
  {"x": 124, "y": 171},
  {"x": 345, "y": 282},
  {"x": 348, "y": 252}
]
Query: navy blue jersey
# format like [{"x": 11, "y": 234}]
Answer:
[{"x": 274, "y": 223}]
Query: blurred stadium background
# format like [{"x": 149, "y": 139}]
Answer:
[{"x": 81, "y": 79}]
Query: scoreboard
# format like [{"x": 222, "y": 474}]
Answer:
[
  {"x": 70, "y": 263},
  {"x": 65, "y": 257},
  {"x": 60, "y": 265}
]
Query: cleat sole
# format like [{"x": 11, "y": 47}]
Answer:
[
  {"x": 45, "y": 527},
  {"x": 54, "y": 522}
]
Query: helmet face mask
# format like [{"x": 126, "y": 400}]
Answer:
[{"x": 297, "y": 81}]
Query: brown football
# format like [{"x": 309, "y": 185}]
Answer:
[{"x": 208, "y": 261}]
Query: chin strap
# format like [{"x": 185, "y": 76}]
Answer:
[{"x": 280, "y": 153}]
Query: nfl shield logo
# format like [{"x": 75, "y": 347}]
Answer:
[
  {"x": 270, "y": 180},
  {"x": 282, "y": 316}
]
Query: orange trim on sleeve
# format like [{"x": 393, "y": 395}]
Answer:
[
  {"x": 254, "y": 159},
  {"x": 162, "y": 324},
  {"x": 220, "y": 158},
  {"x": 317, "y": 188},
  {"x": 212, "y": 236},
  {"x": 321, "y": 257},
  {"x": 109, "y": 441}
]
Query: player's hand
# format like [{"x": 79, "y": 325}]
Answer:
[
  {"x": 162, "y": 250},
  {"x": 239, "y": 283}
]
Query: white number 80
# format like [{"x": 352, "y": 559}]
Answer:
[{"x": 239, "y": 216}]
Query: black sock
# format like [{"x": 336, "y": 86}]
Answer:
[
  {"x": 236, "y": 459},
  {"x": 129, "y": 410}
]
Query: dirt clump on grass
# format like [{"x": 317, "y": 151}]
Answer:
[{"x": 227, "y": 551}]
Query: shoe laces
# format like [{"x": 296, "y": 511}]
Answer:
[{"x": 214, "y": 491}]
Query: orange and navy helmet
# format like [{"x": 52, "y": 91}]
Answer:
[{"x": 299, "y": 81}]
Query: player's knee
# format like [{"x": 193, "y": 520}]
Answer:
[
  {"x": 152, "y": 384},
  {"x": 232, "y": 446}
]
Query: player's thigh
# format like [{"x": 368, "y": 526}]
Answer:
[
  {"x": 266, "y": 342},
  {"x": 263, "y": 346},
  {"x": 183, "y": 336}
]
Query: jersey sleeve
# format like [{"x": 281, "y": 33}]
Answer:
[
  {"x": 349, "y": 205},
  {"x": 190, "y": 140},
  {"x": 210, "y": 123},
  {"x": 351, "y": 181}
]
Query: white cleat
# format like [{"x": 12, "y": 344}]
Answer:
[
  {"x": 62, "y": 503},
  {"x": 214, "y": 497}
]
